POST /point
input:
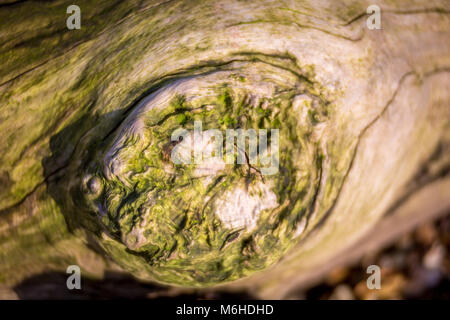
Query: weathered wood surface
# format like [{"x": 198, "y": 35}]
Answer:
[{"x": 388, "y": 140}]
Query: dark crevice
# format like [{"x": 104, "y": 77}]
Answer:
[
  {"x": 355, "y": 151},
  {"x": 77, "y": 44},
  {"x": 362, "y": 133},
  {"x": 423, "y": 178},
  {"x": 13, "y": 3}
]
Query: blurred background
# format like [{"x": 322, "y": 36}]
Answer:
[{"x": 415, "y": 266}]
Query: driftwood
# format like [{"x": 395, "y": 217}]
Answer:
[{"x": 377, "y": 105}]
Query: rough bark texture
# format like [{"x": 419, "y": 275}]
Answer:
[{"x": 375, "y": 153}]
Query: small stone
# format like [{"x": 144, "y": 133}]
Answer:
[
  {"x": 434, "y": 257},
  {"x": 342, "y": 292},
  {"x": 337, "y": 275},
  {"x": 426, "y": 234}
]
